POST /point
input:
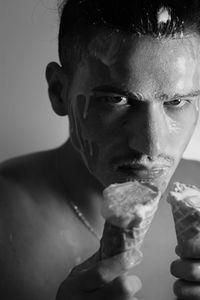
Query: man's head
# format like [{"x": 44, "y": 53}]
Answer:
[
  {"x": 130, "y": 83},
  {"x": 81, "y": 19}
]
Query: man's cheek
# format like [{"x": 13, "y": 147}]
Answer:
[
  {"x": 181, "y": 126},
  {"x": 80, "y": 138}
]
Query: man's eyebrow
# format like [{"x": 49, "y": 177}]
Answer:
[
  {"x": 138, "y": 96},
  {"x": 116, "y": 90},
  {"x": 191, "y": 94}
]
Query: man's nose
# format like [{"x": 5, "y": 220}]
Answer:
[{"x": 147, "y": 130}]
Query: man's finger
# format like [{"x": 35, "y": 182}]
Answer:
[
  {"x": 189, "y": 249},
  {"x": 186, "y": 269},
  {"x": 121, "y": 288},
  {"x": 185, "y": 290},
  {"x": 106, "y": 270}
]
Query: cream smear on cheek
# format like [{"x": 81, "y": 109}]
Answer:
[
  {"x": 83, "y": 143},
  {"x": 80, "y": 140},
  {"x": 80, "y": 137},
  {"x": 86, "y": 107}
]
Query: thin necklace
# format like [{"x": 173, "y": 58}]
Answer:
[
  {"x": 76, "y": 209},
  {"x": 85, "y": 221}
]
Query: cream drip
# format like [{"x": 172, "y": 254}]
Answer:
[
  {"x": 90, "y": 148},
  {"x": 84, "y": 142},
  {"x": 76, "y": 129},
  {"x": 86, "y": 107},
  {"x": 88, "y": 145}
]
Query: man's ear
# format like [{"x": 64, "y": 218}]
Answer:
[{"x": 57, "y": 88}]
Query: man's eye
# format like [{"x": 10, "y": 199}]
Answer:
[
  {"x": 177, "y": 103},
  {"x": 115, "y": 100}
]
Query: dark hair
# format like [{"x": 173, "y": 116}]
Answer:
[{"x": 81, "y": 18}]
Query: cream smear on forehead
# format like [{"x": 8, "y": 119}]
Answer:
[
  {"x": 105, "y": 47},
  {"x": 181, "y": 64}
]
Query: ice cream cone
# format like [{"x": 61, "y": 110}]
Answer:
[
  {"x": 185, "y": 203},
  {"x": 128, "y": 209}
]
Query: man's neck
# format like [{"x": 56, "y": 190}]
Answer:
[{"x": 82, "y": 188}]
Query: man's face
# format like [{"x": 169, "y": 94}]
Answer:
[{"x": 133, "y": 106}]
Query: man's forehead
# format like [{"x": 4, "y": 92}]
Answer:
[
  {"x": 116, "y": 48},
  {"x": 160, "y": 65},
  {"x": 107, "y": 45}
]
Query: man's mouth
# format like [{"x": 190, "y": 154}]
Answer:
[{"x": 141, "y": 172}]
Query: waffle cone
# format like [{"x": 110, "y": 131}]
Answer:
[
  {"x": 186, "y": 217},
  {"x": 118, "y": 239}
]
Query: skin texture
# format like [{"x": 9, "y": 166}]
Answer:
[{"x": 150, "y": 126}]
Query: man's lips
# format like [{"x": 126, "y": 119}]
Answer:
[
  {"x": 142, "y": 172},
  {"x": 147, "y": 170}
]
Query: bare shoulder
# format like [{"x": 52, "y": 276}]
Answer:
[
  {"x": 27, "y": 196},
  {"x": 26, "y": 170},
  {"x": 12, "y": 194},
  {"x": 22, "y": 181},
  {"x": 188, "y": 172},
  {"x": 29, "y": 183},
  {"x": 21, "y": 200}
]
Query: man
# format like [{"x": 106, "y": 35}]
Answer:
[{"x": 129, "y": 83}]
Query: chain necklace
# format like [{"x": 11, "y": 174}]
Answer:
[
  {"x": 84, "y": 220},
  {"x": 77, "y": 211}
]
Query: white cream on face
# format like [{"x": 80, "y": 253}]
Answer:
[
  {"x": 173, "y": 126},
  {"x": 181, "y": 68},
  {"x": 86, "y": 107},
  {"x": 105, "y": 47},
  {"x": 84, "y": 142},
  {"x": 186, "y": 66},
  {"x": 181, "y": 64},
  {"x": 180, "y": 85},
  {"x": 163, "y": 15}
]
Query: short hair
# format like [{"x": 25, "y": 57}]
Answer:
[{"x": 80, "y": 19}]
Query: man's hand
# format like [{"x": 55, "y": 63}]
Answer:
[
  {"x": 106, "y": 279},
  {"x": 187, "y": 269}
]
